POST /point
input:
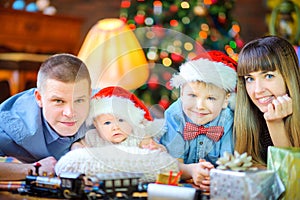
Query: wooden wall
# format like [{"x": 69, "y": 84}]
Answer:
[{"x": 251, "y": 14}]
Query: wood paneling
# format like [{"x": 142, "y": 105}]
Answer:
[{"x": 37, "y": 33}]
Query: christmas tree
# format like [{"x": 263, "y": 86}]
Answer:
[{"x": 174, "y": 31}]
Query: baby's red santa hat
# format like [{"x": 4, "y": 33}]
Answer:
[
  {"x": 212, "y": 67},
  {"x": 124, "y": 104}
]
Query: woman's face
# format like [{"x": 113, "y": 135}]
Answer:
[{"x": 263, "y": 87}]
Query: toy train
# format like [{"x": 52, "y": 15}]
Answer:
[
  {"x": 78, "y": 186},
  {"x": 118, "y": 185}
]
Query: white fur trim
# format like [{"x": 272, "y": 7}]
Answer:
[
  {"x": 216, "y": 73},
  {"x": 117, "y": 158},
  {"x": 118, "y": 106}
]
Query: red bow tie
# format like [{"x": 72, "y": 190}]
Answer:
[{"x": 191, "y": 131}]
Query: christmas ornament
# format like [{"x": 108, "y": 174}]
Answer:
[
  {"x": 164, "y": 103},
  {"x": 176, "y": 57},
  {"x": 139, "y": 19}
]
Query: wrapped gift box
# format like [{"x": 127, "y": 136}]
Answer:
[
  {"x": 286, "y": 162},
  {"x": 258, "y": 184}
]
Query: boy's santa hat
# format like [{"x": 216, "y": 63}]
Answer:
[
  {"x": 213, "y": 67},
  {"x": 123, "y": 104}
]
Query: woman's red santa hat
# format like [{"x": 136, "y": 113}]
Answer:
[
  {"x": 212, "y": 67},
  {"x": 121, "y": 103}
]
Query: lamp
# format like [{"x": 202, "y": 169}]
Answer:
[
  {"x": 283, "y": 23},
  {"x": 114, "y": 56}
]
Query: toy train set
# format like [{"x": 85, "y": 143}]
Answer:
[
  {"x": 77, "y": 186},
  {"x": 118, "y": 185}
]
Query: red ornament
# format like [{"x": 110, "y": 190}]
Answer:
[
  {"x": 124, "y": 19},
  {"x": 174, "y": 23},
  {"x": 173, "y": 8},
  {"x": 125, "y": 4},
  {"x": 164, "y": 103},
  {"x": 176, "y": 57},
  {"x": 139, "y": 19}
]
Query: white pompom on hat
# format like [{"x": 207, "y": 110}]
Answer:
[
  {"x": 124, "y": 104},
  {"x": 213, "y": 67}
]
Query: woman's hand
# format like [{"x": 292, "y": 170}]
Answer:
[
  {"x": 280, "y": 108},
  {"x": 277, "y": 111}
]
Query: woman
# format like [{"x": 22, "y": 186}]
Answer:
[{"x": 268, "y": 98}]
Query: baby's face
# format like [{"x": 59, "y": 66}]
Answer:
[
  {"x": 112, "y": 128},
  {"x": 202, "y": 103}
]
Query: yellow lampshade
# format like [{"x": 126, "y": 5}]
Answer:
[{"x": 114, "y": 56}]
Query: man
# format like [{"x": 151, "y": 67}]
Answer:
[{"x": 40, "y": 124}]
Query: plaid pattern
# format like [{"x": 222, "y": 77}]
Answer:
[{"x": 191, "y": 131}]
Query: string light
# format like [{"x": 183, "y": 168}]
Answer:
[
  {"x": 125, "y": 4},
  {"x": 167, "y": 62},
  {"x": 185, "y": 5},
  {"x": 188, "y": 46}
]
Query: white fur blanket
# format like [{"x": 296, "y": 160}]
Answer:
[{"x": 117, "y": 158}]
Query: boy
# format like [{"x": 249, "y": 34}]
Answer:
[{"x": 207, "y": 87}]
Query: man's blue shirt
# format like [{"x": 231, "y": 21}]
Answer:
[
  {"x": 25, "y": 134},
  {"x": 201, "y": 147}
]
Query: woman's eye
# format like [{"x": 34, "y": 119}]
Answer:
[
  {"x": 248, "y": 79},
  {"x": 269, "y": 76},
  {"x": 121, "y": 120}
]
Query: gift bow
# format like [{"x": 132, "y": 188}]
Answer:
[{"x": 191, "y": 131}]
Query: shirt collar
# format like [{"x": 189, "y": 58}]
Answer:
[{"x": 51, "y": 135}]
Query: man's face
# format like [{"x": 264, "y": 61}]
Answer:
[{"x": 65, "y": 105}]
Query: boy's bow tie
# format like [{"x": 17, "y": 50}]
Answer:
[{"x": 191, "y": 131}]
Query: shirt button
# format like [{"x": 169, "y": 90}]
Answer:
[{"x": 200, "y": 143}]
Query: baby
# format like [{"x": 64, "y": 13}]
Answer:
[
  {"x": 120, "y": 118},
  {"x": 123, "y": 124}
]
